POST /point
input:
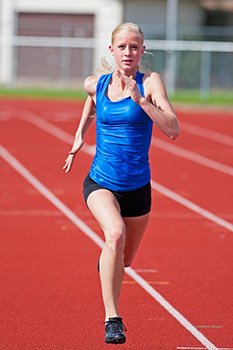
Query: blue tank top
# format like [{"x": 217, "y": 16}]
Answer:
[{"x": 123, "y": 137}]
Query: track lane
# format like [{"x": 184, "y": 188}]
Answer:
[
  {"x": 215, "y": 119},
  {"x": 206, "y": 133},
  {"x": 174, "y": 255},
  {"x": 58, "y": 132},
  {"x": 192, "y": 156},
  {"x": 55, "y": 201},
  {"x": 43, "y": 288}
]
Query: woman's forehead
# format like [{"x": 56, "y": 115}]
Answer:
[{"x": 128, "y": 35}]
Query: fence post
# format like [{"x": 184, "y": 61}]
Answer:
[
  {"x": 171, "y": 34},
  {"x": 205, "y": 74},
  {"x": 7, "y": 31}
]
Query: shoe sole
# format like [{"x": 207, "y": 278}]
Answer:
[{"x": 115, "y": 340}]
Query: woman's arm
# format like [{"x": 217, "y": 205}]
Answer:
[
  {"x": 159, "y": 108},
  {"x": 86, "y": 119},
  {"x": 88, "y": 115},
  {"x": 156, "y": 105}
]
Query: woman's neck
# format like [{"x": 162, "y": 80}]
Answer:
[{"x": 131, "y": 73}]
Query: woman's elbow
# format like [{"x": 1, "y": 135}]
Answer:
[{"x": 175, "y": 132}]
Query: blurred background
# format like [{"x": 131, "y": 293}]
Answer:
[{"x": 56, "y": 44}]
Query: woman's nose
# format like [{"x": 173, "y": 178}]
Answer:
[{"x": 127, "y": 51}]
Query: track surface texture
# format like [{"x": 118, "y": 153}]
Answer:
[{"x": 178, "y": 292}]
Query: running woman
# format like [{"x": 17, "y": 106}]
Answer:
[{"x": 117, "y": 189}]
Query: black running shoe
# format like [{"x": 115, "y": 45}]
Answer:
[{"x": 114, "y": 331}]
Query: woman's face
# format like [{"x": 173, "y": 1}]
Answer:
[{"x": 127, "y": 49}]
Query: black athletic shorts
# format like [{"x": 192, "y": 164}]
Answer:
[{"x": 132, "y": 203}]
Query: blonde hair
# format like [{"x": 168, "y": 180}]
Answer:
[
  {"x": 129, "y": 26},
  {"x": 105, "y": 67}
]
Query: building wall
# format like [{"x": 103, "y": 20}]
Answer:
[
  {"x": 149, "y": 14},
  {"x": 69, "y": 64},
  {"x": 107, "y": 14}
]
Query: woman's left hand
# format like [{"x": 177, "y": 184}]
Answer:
[{"x": 132, "y": 86}]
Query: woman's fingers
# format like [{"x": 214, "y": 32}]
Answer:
[
  {"x": 68, "y": 163},
  {"x": 127, "y": 80},
  {"x": 132, "y": 86}
]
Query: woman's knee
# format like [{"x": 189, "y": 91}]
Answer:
[{"x": 115, "y": 238}]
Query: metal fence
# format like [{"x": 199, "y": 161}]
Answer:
[
  {"x": 196, "y": 65},
  {"x": 65, "y": 62}
]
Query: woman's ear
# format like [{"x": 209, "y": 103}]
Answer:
[
  {"x": 143, "y": 50},
  {"x": 111, "y": 50}
]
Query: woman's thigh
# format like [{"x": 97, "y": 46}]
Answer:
[{"x": 105, "y": 208}]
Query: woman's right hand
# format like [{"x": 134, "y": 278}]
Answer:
[
  {"x": 70, "y": 159},
  {"x": 69, "y": 162}
]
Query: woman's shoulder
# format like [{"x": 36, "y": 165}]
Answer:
[
  {"x": 153, "y": 83},
  {"x": 90, "y": 84},
  {"x": 152, "y": 78}
]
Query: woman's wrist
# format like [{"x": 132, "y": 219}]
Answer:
[
  {"x": 142, "y": 101},
  {"x": 72, "y": 153}
]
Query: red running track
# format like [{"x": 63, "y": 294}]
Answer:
[{"x": 178, "y": 294}]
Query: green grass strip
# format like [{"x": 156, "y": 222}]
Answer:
[
  {"x": 222, "y": 97},
  {"x": 43, "y": 93}
]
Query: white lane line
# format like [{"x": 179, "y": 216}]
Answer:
[
  {"x": 49, "y": 195},
  {"x": 53, "y": 130},
  {"x": 206, "y": 133},
  {"x": 163, "y": 302},
  {"x": 190, "y": 205},
  {"x": 65, "y": 137},
  {"x": 166, "y": 146},
  {"x": 15, "y": 164},
  {"x": 48, "y": 127},
  {"x": 194, "y": 157}
]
